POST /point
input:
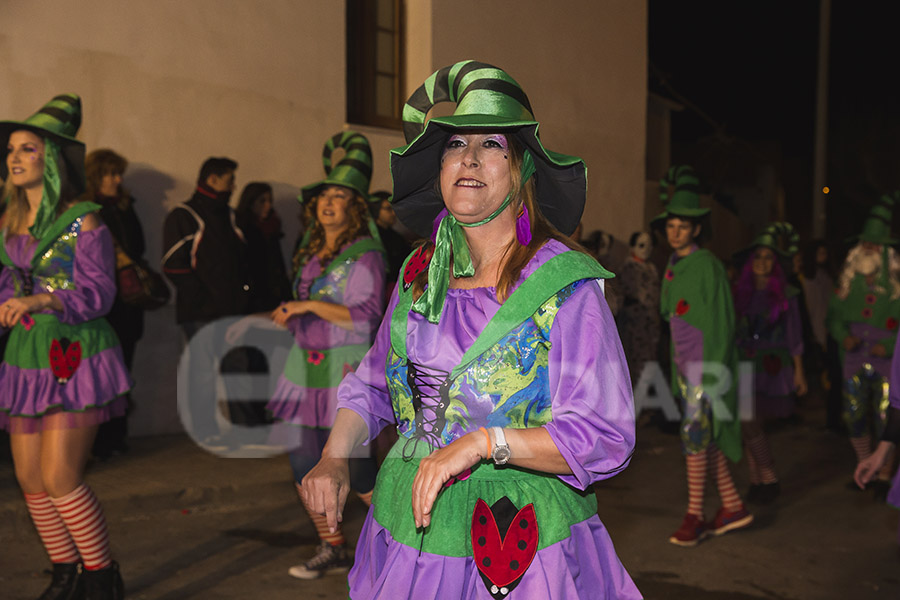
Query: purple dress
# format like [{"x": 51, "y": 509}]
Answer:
[
  {"x": 35, "y": 394},
  {"x": 592, "y": 426},
  {"x": 770, "y": 347},
  {"x": 306, "y": 394}
]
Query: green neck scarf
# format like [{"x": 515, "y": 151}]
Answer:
[
  {"x": 46, "y": 213},
  {"x": 450, "y": 241}
]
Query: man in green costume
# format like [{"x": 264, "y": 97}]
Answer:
[
  {"x": 863, "y": 316},
  {"x": 696, "y": 300}
]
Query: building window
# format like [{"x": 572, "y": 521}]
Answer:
[{"x": 374, "y": 62}]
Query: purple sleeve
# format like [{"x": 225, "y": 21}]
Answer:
[
  {"x": 95, "y": 284},
  {"x": 894, "y": 390},
  {"x": 363, "y": 295},
  {"x": 593, "y": 406},
  {"x": 794, "y": 329},
  {"x": 365, "y": 390},
  {"x": 687, "y": 341}
]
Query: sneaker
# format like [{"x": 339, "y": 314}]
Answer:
[
  {"x": 328, "y": 559},
  {"x": 726, "y": 521},
  {"x": 752, "y": 494},
  {"x": 693, "y": 529}
]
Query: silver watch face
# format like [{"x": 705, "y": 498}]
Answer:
[{"x": 500, "y": 455}]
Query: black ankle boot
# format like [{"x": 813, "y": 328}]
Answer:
[
  {"x": 104, "y": 584},
  {"x": 67, "y": 583}
]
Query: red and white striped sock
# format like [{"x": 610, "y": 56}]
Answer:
[
  {"x": 731, "y": 500},
  {"x": 51, "y": 529},
  {"x": 696, "y": 475},
  {"x": 83, "y": 516},
  {"x": 862, "y": 445},
  {"x": 321, "y": 524},
  {"x": 755, "y": 478},
  {"x": 367, "y": 497},
  {"x": 762, "y": 456}
]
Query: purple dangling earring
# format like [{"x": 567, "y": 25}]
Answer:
[{"x": 523, "y": 227}]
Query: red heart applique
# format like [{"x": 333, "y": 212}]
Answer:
[
  {"x": 771, "y": 364},
  {"x": 417, "y": 263},
  {"x": 682, "y": 307},
  {"x": 891, "y": 323},
  {"x": 503, "y": 558},
  {"x": 65, "y": 358}
]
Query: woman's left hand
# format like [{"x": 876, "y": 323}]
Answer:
[
  {"x": 800, "y": 383},
  {"x": 289, "y": 309},
  {"x": 438, "y": 467},
  {"x": 12, "y": 310}
]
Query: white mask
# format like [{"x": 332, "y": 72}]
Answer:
[{"x": 643, "y": 246}]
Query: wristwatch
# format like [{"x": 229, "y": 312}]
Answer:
[{"x": 500, "y": 454}]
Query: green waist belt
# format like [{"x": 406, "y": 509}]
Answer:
[
  {"x": 31, "y": 349},
  {"x": 557, "y": 505},
  {"x": 322, "y": 369}
]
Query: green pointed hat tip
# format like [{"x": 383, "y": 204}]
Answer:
[
  {"x": 780, "y": 237},
  {"x": 353, "y": 170}
]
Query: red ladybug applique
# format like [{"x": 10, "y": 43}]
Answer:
[
  {"x": 504, "y": 542},
  {"x": 65, "y": 357},
  {"x": 682, "y": 307},
  {"x": 417, "y": 263}
]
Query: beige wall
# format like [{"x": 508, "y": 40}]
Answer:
[{"x": 169, "y": 82}]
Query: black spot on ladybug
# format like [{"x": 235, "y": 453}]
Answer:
[
  {"x": 514, "y": 565},
  {"x": 482, "y": 520},
  {"x": 523, "y": 524},
  {"x": 486, "y": 562},
  {"x": 481, "y": 541},
  {"x": 522, "y": 545}
]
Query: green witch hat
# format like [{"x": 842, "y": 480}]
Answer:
[
  {"x": 877, "y": 226},
  {"x": 780, "y": 237},
  {"x": 486, "y": 98},
  {"x": 682, "y": 184},
  {"x": 58, "y": 121},
  {"x": 353, "y": 171}
]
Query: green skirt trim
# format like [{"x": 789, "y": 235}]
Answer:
[
  {"x": 31, "y": 349},
  {"x": 322, "y": 369},
  {"x": 557, "y": 505}
]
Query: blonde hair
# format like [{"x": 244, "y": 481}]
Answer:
[
  {"x": 516, "y": 256},
  {"x": 357, "y": 213},
  {"x": 17, "y": 206}
]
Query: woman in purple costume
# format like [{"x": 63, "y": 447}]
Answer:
[
  {"x": 339, "y": 301},
  {"x": 890, "y": 438},
  {"x": 769, "y": 335},
  {"x": 62, "y": 373},
  {"x": 498, "y": 362}
]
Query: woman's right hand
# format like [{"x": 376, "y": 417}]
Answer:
[
  {"x": 325, "y": 489},
  {"x": 867, "y": 468}
]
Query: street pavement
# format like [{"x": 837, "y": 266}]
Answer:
[{"x": 186, "y": 524}]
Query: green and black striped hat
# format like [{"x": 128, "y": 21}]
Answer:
[
  {"x": 781, "y": 237},
  {"x": 486, "y": 98},
  {"x": 679, "y": 192},
  {"x": 353, "y": 171},
  {"x": 877, "y": 226},
  {"x": 58, "y": 120}
]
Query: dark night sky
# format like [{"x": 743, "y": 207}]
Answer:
[{"x": 752, "y": 68}]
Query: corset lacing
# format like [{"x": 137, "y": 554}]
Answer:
[{"x": 430, "y": 398}]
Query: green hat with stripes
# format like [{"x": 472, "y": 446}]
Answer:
[
  {"x": 877, "y": 226},
  {"x": 487, "y": 99},
  {"x": 780, "y": 237},
  {"x": 679, "y": 192},
  {"x": 353, "y": 170},
  {"x": 57, "y": 121}
]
